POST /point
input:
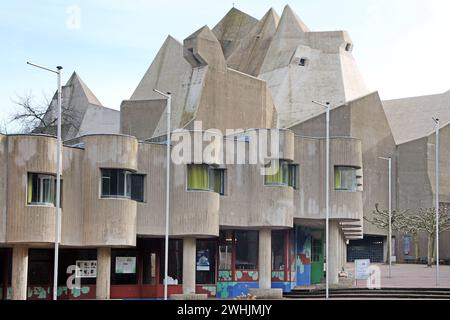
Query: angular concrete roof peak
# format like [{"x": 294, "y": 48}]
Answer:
[
  {"x": 203, "y": 32},
  {"x": 290, "y": 23},
  {"x": 272, "y": 15},
  {"x": 250, "y": 53},
  {"x": 233, "y": 27},
  {"x": 92, "y": 99}
]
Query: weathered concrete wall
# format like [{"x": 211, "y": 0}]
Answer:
[
  {"x": 108, "y": 222},
  {"x": 309, "y": 199},
  {"x": 25, "y": 223},
  {"x": 72, "y": 230},
  {"x": 370, "y": 125},
  {"x": 100, "y": 120},
  {"x": 365, "y": 120},
  {"x": 139, "y": 118}
]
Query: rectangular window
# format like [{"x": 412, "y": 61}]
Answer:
[
  {"x": 219, "y": 181},
  {"x": 293, "y": 176},
  {"x": 175, "y": 267},
  {"x": 41, "y": 189},
  {"x": 277, "y": 173},
  {"x": 225, "y": 250},
  {"x": 198, "y": 177},
  {"x": 246, "y": 250},
  {"x": 137, "y": 187},
  {"x": 119, "y": 183},
  {"x": 278, "y": 250},
  {"x": 345, "y": 179},
  {"x": 206, "y": 262},
  {"x": 206, "y": 178}
]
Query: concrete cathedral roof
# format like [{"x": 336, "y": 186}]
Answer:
[{"x": 411, "y": 118}]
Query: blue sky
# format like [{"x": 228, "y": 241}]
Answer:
[{"x": 402, "y": 46}]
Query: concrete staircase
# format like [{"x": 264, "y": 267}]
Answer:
[{"x": 361, "y": 293}]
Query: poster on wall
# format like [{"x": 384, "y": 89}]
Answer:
[
  {"x": 362, "y": 269},
  {"x": 126, "y": 265},
  {"x": 86, "y": 268},
  {"x": 203, "y": 260}
]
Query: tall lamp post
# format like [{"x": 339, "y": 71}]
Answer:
[
  {"x": 327, "y": 197},
  {"x": 166, "y": 242},
  {"x": 58, "y": 179},
  {"x": 437, "y": 122},
  {"x": 390, "y": 214}
]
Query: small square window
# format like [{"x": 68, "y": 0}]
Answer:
[
  {"x": 349, "y": 47},
  {"x": 303, "y": 62}
]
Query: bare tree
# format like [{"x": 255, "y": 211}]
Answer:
[
  {"x": 40, "y": 117},
  {"x": 424, "y": 220}
]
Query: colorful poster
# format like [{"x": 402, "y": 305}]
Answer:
[
  {"x": 126, "y": 265},
  {"x": 203, "y": 260}
]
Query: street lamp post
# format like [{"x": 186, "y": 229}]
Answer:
[
  {"x": 436, "y": 120},
  {"x": 327, "y": 197},
  {"x": 390, "y": 214},
  {"x": 166, "y": 242},
  {"x": 58, "y": 179}
]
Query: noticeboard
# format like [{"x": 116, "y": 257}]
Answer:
[{"x": 362, "y": 269}]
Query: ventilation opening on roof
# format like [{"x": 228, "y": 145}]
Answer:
[
  {"x": 303, "y": 62},
  {"x": 349, "y": 47}
]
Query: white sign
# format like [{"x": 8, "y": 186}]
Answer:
[
  {"x": 362, "y": 269},
  {"x": 86, "y": 269},
  {"x": 126, "y": 265}
]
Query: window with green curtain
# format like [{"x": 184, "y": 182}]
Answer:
[
  {"x": 345, "y": 179},
  {"x": 30, "y": 189},
  {"x": 279, "y": 178},
  {"x": 197, "y": 177},
  {"x": 41, "y": 189}
]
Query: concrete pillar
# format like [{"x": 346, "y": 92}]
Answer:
[
  {"x": 19, "y": 272},
  {"x": 265, "y": 268},
  {"x": 103, "y": 283},
  {"x": 265, "y": 258},
  {"x": 333, "y": 259},
  {"x": 189, "y": 265}
]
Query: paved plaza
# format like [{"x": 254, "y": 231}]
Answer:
[{"x": 408, "y": 276}]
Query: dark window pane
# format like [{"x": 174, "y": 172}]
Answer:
[
  {"x": 278, "y": 250},
  {"x": 206, "y": 262},
  {"x": 246, "y": 250},
  {"x": 137, "y": 187},
  {"x": 219, "y": 181},
  {"x": 175, "y": 268},
  {"x": 40, "y": 267}
]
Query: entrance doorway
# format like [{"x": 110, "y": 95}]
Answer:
[
  {"x": 317, "y": 257},
  {"x": 371, "y": 247}
]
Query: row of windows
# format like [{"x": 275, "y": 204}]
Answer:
[{"x": 119, "y": 183}]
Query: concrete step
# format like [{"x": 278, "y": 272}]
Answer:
[{"x": 386, "y": 293}]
